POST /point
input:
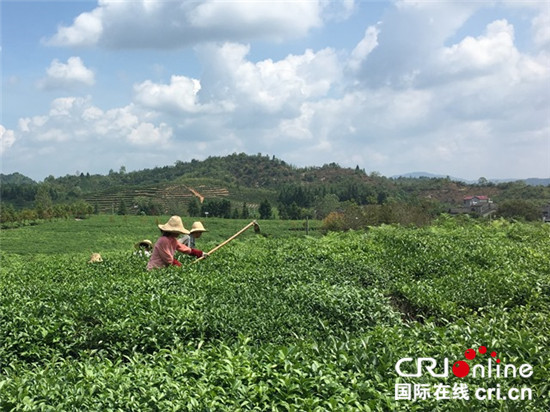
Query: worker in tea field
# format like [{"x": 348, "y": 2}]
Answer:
[
  {"x": 95, "y": 258},
  {"x": 167, "y": 244},
  {"x": 143, "y": 248},
  {"x": 197, "y": 229}
]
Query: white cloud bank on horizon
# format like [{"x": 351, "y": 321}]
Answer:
[
  {"x": 398, "y": 100},
  {"x": 75, "y": 119}
]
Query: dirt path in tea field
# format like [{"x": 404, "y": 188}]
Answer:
[{"x": 197, "y": 194}]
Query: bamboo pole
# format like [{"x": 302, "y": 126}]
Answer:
[{"x": 225, "y": 242}]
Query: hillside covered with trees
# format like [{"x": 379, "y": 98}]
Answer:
[{"x": 242, "y": 185}]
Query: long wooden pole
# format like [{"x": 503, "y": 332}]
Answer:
[{"x": 225, "y": 242}]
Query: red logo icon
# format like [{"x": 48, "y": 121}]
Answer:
[{"x": 461, "y": 368}]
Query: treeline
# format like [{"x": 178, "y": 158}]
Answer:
[
  {"x": 286, "y": 191},
  {"x": 43, "y": 207},
  {"x": 353, "y": 217},
  {"x": 316, "y": 201},
  {"x": 9, "y": 217},
  {"x": 261, "y": 171}
]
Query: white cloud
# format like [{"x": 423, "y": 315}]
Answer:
[
  {"x": 358, "y": 120},
  {"x": 148, "y": 134},
  {"x": 172, "y": 24},
  {"x": 338, "y": 10},
  {"x": 410, "y": 92},
  {"x": 541, "y": 28},
  {"x": 179, "y": 95},
  {"x": 496, "y": 47},
  {"x": 487, "y": 77},
  {"x": 63, "y": 106},
  {"x": 75, "y": 119},
  {"x": 267, "y": 86},
  {"x": 408, "y": 36},
  {"x": 274, "y": 19},
  {"x": 298, "y": 128},
  {"x": 86, "y": 30},
  {"x": 61, "y": 75},
  {"x": 7, "y": 139},
  {"x": 364, "y": 47}
]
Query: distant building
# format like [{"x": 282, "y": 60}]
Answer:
[
  {"x": 477, "y": 205},
  {"x": 546, "y": 213},
  {"x": 480, "y": 205},
  {"x": 472, "y": 201}
]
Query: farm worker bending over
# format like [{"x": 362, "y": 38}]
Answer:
[
  {"x": 143, "y": 248},
  {"x": 196, "y": 231},
  {"x": 167, "y": 244}
]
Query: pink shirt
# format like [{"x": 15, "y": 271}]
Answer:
[{"x": 163, "y": 252}]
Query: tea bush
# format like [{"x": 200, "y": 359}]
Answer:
[{"x": 275, "y": 323}]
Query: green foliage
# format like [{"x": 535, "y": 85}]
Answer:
[
  {"x": 295, "y": 192},
  {"x": 16, "y": 179},
  {"x": 109, "y": 233},
  {"x": 270, "y": 323},
  {"x": 245, "y": 213},
  {"x": 10, "y": 218},
  {"x": 147, "y": 206},
  {"x": 216, "y": 208},
  {"x": 193, "y": 208},
  {"x": 265, "y": 210},
  {"x": 355, "y": 217},
  {"x": 519, "y": 209},
  {"x": 43, "y": 202},
  {"x": 122, "y": 209}
]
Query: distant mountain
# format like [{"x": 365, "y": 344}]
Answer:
[
  {"x": 16, "y": 179},
  {"x": 250, "y": 179},
  {"x": 420, "y": 175},
  {"x": 534, "y": 181}
]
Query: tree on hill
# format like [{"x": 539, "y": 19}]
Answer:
[
  {"x": 193, "y": 208},
  {"x": 265, "y": 209},
  {"x": 16, "y": 179},
  {"x": 217, "y": 208},
  {"x": 325, "y": 205},
  {"x": 7, "y": 214},
  {"x": 292, "y": 211},
  {"x": 245, "y": 214},
  {"x": 519, "y": 209},
  {"x": 43, "y": 202},
  {"x": 122, "y": 209}
]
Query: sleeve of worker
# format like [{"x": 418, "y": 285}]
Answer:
[
  {"x": 183, "y": 249},
  {"x": 196, "y": 252}
]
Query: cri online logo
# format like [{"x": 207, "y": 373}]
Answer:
[{"x": 461, "y": 368}]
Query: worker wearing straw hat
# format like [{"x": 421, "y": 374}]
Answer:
[
  {"x": 197, "y": 229},
  {"x": 95, "y": 258},
  {"x": 167, "y": 244},
  {"x": 143, "y": 248}
]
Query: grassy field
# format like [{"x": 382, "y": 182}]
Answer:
[
  {"x": 277, "y": 321},
  {"x": 106, "y": 234}
]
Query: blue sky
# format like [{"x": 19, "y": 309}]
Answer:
[{"x": 447, "y": 87}]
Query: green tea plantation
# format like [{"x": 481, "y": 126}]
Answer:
[{"x": 450, "y": 317}]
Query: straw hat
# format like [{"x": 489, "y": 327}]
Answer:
[
  {"x": 146, "y": 242},
  {"x": 197, "y": 227},
  {"x": 96, "y": 257},
  {"x": 174, "y": 225}
]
